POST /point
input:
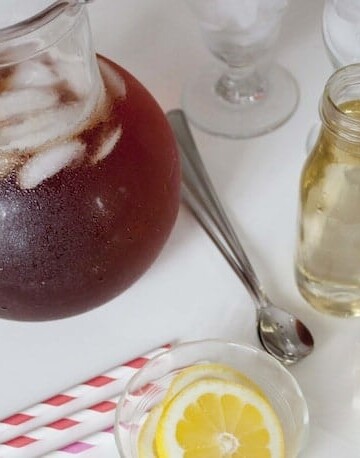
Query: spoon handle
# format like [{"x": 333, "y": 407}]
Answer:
[
  {"x": 200, "y": 195},
  {"x": 196, "y": 170},
  {"x": 205, "y": 220}
]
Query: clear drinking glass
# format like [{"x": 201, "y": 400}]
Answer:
[
  {"x": 341, "y": 22},
  {"x": 89, "y": 172},
  {"x": 149, "y": 386},
  {"x": 251, "y": 94},
  {"x": 340, "y": 28}
]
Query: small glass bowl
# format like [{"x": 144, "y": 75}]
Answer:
[{"x": 149, "y": 385}]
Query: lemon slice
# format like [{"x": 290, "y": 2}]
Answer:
[
  {"x": 146, "y": 440},
  {"x": 219, "y": 419},
  {"x": 212, "y": 370}
]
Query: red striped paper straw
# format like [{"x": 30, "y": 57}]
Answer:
[
  {"x": 62, "y": 432},
  {"x": 68, "y": 416},
  {"x": 95, "y": 442}
]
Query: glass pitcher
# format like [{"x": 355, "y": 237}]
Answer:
[
  {"x": 89, "y": 172},
  {"x": 328, "y": 248}
]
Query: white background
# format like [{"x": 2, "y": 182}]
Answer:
[{"x": 190, "y": 292}]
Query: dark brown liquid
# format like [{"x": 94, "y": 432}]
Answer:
[{"x": 86, "y": 234}]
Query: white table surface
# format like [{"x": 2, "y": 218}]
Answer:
[{"x": 190, "y": 292}]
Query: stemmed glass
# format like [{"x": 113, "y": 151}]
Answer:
[{"x": 251, "y": 94}]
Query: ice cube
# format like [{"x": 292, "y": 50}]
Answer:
[
  {"x": 73, "y": 71},
  {"x": 108, "y": 145},
  {"x": 70, "y": 68},
  {"x": 33, "y": 74},
  {"x": 243, "y": 13},
  {"x": 37, "y": 130},
  {"x": 248, "y": 21},
  {"x": 47, "y": 163},
  {"x": 113, "y": 79},
  {"x": 46, "y": 126},
  {"x": 24, "y": 101},
  {"x": 94, "y": 106}
]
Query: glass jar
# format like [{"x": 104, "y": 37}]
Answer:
[
  {"x": 89, "y": 172},
  {"x": 328, "y": 246}
]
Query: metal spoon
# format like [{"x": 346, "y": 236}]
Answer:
[{"x": 281, "y": 333}]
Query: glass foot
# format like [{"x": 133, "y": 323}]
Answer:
[{"x": 247, "y": 117}]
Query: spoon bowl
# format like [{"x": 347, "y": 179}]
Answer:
[{"x": 282, "y": 334}]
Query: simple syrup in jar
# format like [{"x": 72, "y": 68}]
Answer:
[{"x": 328, "y": 246}]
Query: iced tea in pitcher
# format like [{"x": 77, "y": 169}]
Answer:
[{"x": 89, "y": 172}]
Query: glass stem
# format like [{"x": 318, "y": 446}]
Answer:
[{"x": 241, "y": 85}]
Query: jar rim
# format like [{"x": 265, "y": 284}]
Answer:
[
  {"x": 35, "y": 22},
  {"x": 331, "y": 113}
]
